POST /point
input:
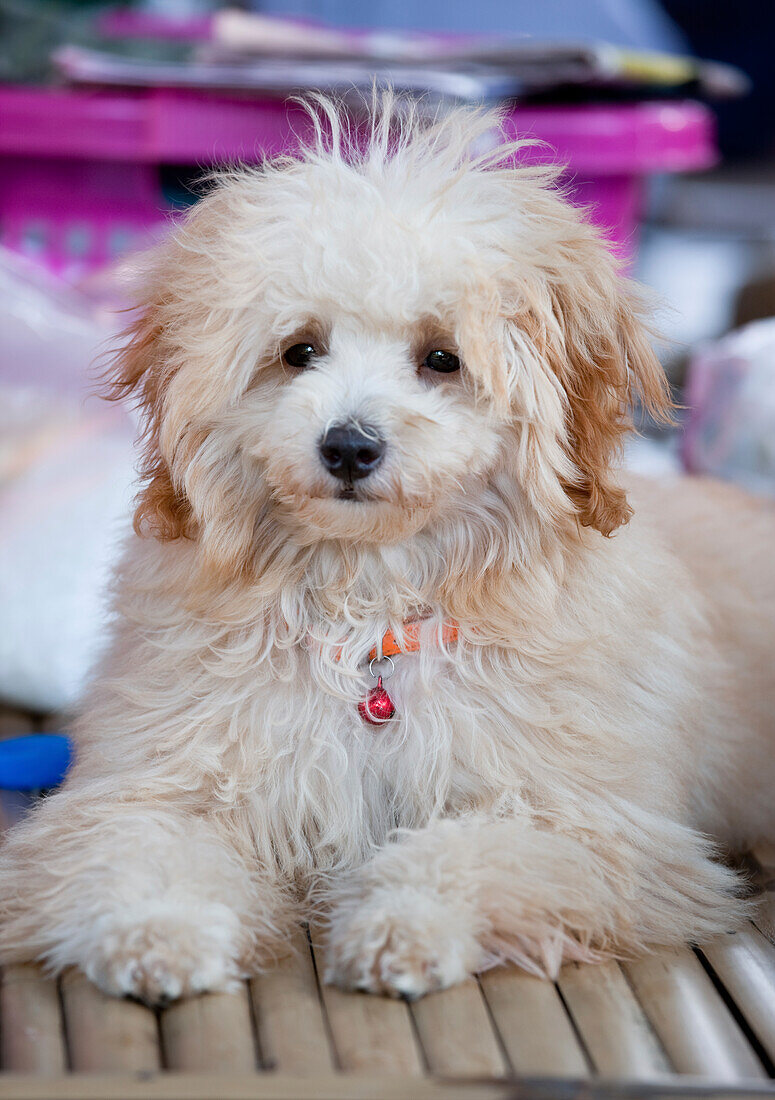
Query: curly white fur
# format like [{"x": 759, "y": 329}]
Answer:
[{"x": 546, "y": 787}]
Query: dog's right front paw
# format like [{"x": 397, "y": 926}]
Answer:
[{"x": 161, "y": 958}]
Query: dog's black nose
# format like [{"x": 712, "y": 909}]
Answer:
[{"x": 349, "y": 452}]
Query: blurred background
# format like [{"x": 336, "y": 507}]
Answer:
[{"x": 661, "y": 111}]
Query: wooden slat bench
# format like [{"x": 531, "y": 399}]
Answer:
[{"x": 678, "y": 1023}]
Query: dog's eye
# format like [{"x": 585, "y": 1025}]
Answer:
[
  {"x": 442, "y": 361},
  {"x": 299, "y": 355}
]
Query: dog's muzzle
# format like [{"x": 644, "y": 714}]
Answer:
[{"x": 351, "y": 453}]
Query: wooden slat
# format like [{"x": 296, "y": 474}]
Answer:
[
  {"x": 456, "y": 1034},
  {"x": 765, "y": 919},
  {"x": 695, "y": 1026},
  {"x": 292, "y": 1034},
  {"x": 268, "y": 1086},
  {"x": 745, "y": 963},
  {"x": 370, "y": 1034},
  {"x": 104, "y": 1033},
  {"x": 764, "y": 854},
  {"x": 533, "y": 1024},
  {"x": 30, "y": 1022},
  {"x": 210, "y": 1033},
  {"x": 612, "y": 1024}
]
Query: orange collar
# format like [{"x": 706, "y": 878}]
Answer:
[{"x": 410, "y": 641}]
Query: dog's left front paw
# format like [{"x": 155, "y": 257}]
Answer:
[{"x": 400, "y": 942}]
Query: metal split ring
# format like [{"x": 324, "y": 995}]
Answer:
[{"x": 379, "y": 660}]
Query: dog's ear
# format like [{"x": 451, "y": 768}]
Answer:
[
  {"x": 598, "y": 347},
  {"x": 140, "y": 373}
]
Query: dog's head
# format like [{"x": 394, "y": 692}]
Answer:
[{"x": 351, "y": 343}]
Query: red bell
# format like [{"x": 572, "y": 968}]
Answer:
[{"x": 377, "y": 707}]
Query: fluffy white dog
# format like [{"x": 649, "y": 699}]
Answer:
[{"x": 384, "y": 384}]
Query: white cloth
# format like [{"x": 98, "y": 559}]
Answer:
[
  {"x": 66, "y": 474},
  {"x": 64, "y": 509}
]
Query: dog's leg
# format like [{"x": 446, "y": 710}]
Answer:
[
  {"x": 148, "y": 899},
  {"x": 444, "y": 901}
]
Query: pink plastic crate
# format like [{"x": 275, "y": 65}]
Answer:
[{"x": 80, "y": 181}]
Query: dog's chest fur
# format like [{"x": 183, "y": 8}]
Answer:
[
  {"x": 264, "y": 710},
  {"x": 333, "y": 785},
  {"x": 473, "y": 724}
]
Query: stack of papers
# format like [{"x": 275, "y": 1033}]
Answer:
[{"x": 278, "y": 56}]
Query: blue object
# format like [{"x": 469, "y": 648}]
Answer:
[
  {"x": 639, "y": 24},
  {"x": 34, "y": 761}
]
